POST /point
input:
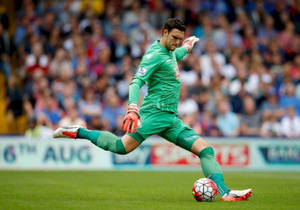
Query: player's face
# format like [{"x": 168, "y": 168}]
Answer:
[{"x": 173, "y": 39}]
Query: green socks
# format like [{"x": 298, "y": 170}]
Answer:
[
  {"x": 212, "y": 170},
  {"x": 103, "y": 139}
]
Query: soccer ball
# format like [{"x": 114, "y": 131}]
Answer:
[{"x": 205, "y": 189}]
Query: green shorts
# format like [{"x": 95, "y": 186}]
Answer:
[{"x": 167, "y": 125}]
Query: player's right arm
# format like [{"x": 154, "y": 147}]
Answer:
[{"x": 150, "y": 62}]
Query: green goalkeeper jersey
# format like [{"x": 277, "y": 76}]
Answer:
[{"x": 159, "y": 70}]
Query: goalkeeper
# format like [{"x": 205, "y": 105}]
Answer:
[{"x": 158, "y": 113}]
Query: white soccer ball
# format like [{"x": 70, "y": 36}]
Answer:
[{"x": 205, "y": 189}]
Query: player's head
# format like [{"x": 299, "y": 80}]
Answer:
[{"x": 173, "y": 33}]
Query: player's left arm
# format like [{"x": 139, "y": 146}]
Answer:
[{"x": 186, "y": 47}]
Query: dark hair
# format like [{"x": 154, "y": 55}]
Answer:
[{"x": 172, "y": 23}]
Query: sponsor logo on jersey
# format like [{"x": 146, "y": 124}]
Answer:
[{"x": 141, "y": 71}]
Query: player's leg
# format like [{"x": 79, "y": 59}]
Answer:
[
  {"x": 103, "y": 139},
  {"x": 210, "y": 166},
  {"x": 212, "y": 170},
  {"x": 185, "y": 137},
  {"x": 153, "y": 121},
  {"x": 188, "y": 139}
]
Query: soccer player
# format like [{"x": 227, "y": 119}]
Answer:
[{"x": 158, "y": 113}]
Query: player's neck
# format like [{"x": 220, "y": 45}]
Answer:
[{"x": 162, "y": 42}]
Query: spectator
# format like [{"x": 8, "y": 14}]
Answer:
[
  {"x": 286, "y": 38},
  {"x": 36, "y": 130},
  {"x": 267, "y": 31},
  {"x": 101, "y": 62},
  {"x": 270, "y": 127},
  {"x": 289, "y": 98},
  {"x": 275, "y": 62},
  {"x": 291, "y": 123},
  {"x": 60, "y": 63},
  {"x": 229, "y": 70},
  {"x": 236, "y": 88},
  {"x": 225, "y": 37},
  {"x": 295, "y": 69},
  {"x": 123, "y": 85},
  {"x": 6, "y": 49},
  {"x": 214, "y": 129},
  {"x": 121, "y": 46},
  {"x": 69, "y": 92},
  {"x": 80, "y": 63},
  {"x": 72, "y": 119},
  {"x": 227, "y": 121},
  {"x": 47, "y": 25},
  {"x": 14, "y": 103},
  {"x": 205, "y": 122},
  {"x": 96, "y": 43},
  {"x": 143, "y": 34},
  {"x": 21, "y": 30},
  {"x": 186, "y": 106},
  {"x": 88, "y": 106},
  {"x": 240, "y": 82},
  {"x": 37, "y": 59},
  {"x": 49, "y": 107},
  {"x": 250, "y": 118},
  {"x": 211, "y": 62},
  {"x": 249, "y": 39},
  {"x": 205, "y": 100},
  {"x": 112, "y": 108},
  {"x": 271, "y": 105},
  {"x": 131, "y": 16},
  {"x": 159, "y": 15}
]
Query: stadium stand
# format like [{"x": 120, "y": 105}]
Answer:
[{"x": 57, "y": 51}]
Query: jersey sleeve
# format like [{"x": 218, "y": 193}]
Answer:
[
  {"x": 150, "y": 62},
  {"x": 180, "y": 52},
  {"x": 134, "y": 90}
]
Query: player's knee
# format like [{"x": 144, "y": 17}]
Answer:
[
  {"x": 127, "y": 144},
  {"x": 125, "y": 151},
  {"x": 199, "y": 145},
  {"x": 203, "y": 143}
]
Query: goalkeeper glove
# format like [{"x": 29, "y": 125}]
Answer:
[
  {"x": 189, "y": 43},
  {"x": 131, "y": 119}
]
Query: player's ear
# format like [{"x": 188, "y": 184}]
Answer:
[{"x": 165, "y": 32}]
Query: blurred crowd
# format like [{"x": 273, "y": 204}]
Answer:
[{"x": 74, "y": 60}]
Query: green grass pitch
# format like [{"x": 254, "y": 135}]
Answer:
[{"x": 140, "y": 190}]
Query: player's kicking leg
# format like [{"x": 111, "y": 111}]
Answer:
[
  {"x": 237, "y": 195},
  {"x": 66, "y": 132},
  {"x": 102, "y": 139},
  {"x": 212, "y": 170}
]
